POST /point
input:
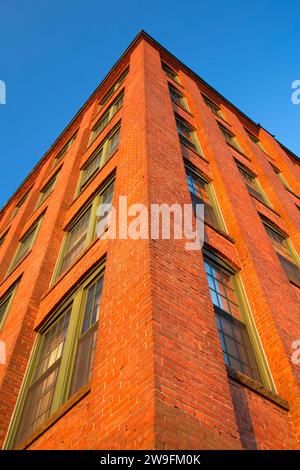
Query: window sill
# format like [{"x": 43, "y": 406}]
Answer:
[
  {"x": 265, "y": 205},
  {"x": 258, "y": 388},
  {"x": 55, "y": 417},
  {"x": 292, "y": 192},
  {"x": 239, "y": 151},
  {"x": 193, "y": 150},
  {"x": 220, "y": 232}
]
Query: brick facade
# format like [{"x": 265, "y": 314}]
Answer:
[{"x": 159, "y": 379}]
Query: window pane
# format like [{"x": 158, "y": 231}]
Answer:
[
  {"x": 171, "y": 73},
  {"x": 47, "y": 190},
  {"x": 233, "y": 333},
  {"x": 40, "y": 393},
  {"x": 76, "y": 239},
  {"x": 291, "y": 269},
  {"x": 4, "y": 307},
  {"x": 199, "y": 194},
  {"x": 103, "y": 220},
  {"x": 87, "y": 341},
  {"x": 113, "y": 143},
  {"x": 24, "y": 247},
  {"x": 92, "y": 167}
]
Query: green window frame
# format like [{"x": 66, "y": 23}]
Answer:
[
  {"x": 187, "y": 134},
  {"x": 6, "y": 303},
  {"x": 47, "y": 190},
  {"x": 113, "y": 89},
  {"x": 25, "y": 245},
  {"x": 63, "y": 151},
  {"x": 255, "y": 140},
  {"x": 230, "y": 138},
  {"x": 81, "y": 232},
  {"x": 99, "y": 158},
  {"x": 20, "y": 204},
  {"x": 2, "y": 238},
  {"x": 170, "y": 72},
  {"x": 62, "y": 359},
  {"x": 106, "y": 117},
  {"x": 202, "y": 192},
  {"x": 280, "y": 176},
  {"x": 178, "y": 98},
  {"x": 213, "y": 107},
  {"x": 252, "y": 184},
  {"x": 285, "y": 251},
  {"x": 240, "y": 342}
]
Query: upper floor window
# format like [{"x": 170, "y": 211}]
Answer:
[
  {"x": 230, "y": 137},
  {"x": 280, "y": 176},
  {"x": 19, "y": 205},
  {"x": 102, "y": 154},
  {"x": 5, "y": 304},
  {"x": 284, "y": 251},
  {"x": 82, "y": 231},
  {"x": 2, "y": 238},
  {"x": 113, "y": 89},
  {"x": 187, "y": 135},
  {"x": 25, "y": 245},
  {"x": 47, "y": 190},
  {"x": 252, "y": 184},
  {"x": 170, "y": 72},
  {"x": 233, "y": 331},
  {"x": 178, "y": 98},
  {"x": 64, "y": 150},
  {"x": 255, "y": 140},
  {"x": 214, "y": 107},
  {"x": 62, "y": 361},
  {"x": 201, "y": 193},
  {"x": 106, "y": 118}
]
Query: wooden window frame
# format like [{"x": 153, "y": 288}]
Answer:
[
  {"x": 61, "y": 390},
  {"x": 9, "y": 295},
  {"x": 93, "y": 204},
  {"x": 105, "y": 157},
  {"x": 34, "y": 228},
  {"x": 246, "y": 318},
  {"x": 256, "y": 184},
  {"x": 170, "y": 72},
  {"x": 182, "y": 102},
  {"x": 64, "y": 150},
  {"x": 112, "y": 90},
  {"x": 193, "y": 143},
  {"x": 110, "y": 112},
  {"x": 211, "y": 197}
]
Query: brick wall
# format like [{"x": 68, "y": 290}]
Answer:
[{"x": 159, "y": 378}]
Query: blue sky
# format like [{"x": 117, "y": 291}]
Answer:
[{"x": 54, "y": 54}]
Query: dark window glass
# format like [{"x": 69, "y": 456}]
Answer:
[
  {"x": 199, "y": 194},
  {"x": 40, "y": 393},
  {"x": 236, "y": 345}
]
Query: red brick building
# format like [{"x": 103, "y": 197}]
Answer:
[{"x": 190, "y": 349}]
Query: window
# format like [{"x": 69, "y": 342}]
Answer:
[
  {"x": 230, "y": 137},
  {"x": 170, "y": 72},
  {"x": 82, "y": 231},
  {"x": 252, "y": 184},
  {"x": 99, "y": 157},
  {"x": 187, "y": 135},
  {"x": 113, "y": 89},
  {"x": 236, "y": 345},
  {"x": 214, "y": 107},
  {"x": 281, "y": 177},
  {"x": 20, "y": 204},
  {"x": 25, "y": 245},
  {"x": 255, "y": 140},
  {"x": 106, "y": 118},
  {"x": 178, "y": 97},
  {"x": 47, "y": 190},
  {"x": 63, "y": 358},
  {"x": 2, "y": 238},
  {"x": 284, "y": 251},
  {"x": 63, "y": 151},
  {"x": 5, "y": 304},
  {"x": 201, "y": 194}
]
